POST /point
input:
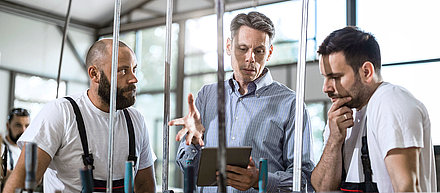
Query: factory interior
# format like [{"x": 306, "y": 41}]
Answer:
[{"x": 42, "y": 58}]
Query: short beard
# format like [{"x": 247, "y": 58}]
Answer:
[
  {"x": 14, "y": 139},
  {"x": 121, "y": 101},
  {"x": 359, "y": 93}
]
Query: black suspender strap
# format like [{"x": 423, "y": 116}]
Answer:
[
  {"x": 87, "y": 157},
  {"x": 132, "y": 142}
]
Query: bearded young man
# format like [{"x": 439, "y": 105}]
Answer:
[
  {"x": 378, "y": 136},
  {"x": 60, "y": 137}
]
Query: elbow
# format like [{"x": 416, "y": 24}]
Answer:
[{"x": 407, "y": 186}]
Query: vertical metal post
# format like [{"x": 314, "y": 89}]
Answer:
[
  {"x": 351, "y": 13},
  {"x": 166, "y": 109},
  {"x": 112, "y": 110},
  {"x": 221, "y": 153},
  {"x": 66, "y": 25},
  {"x": 299, "y": 113}
]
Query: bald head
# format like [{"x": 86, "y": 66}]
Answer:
[{"x": 100, "y": 50}]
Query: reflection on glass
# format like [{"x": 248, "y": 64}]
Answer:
[
  {"x": 151, "y": 107},
  {"x": 316, "y": 113},
  {"x": 193, "y": 85},
  {"x": 151, "y": 72},
  {"x": 201, "y": 45},
  {"x": 32, "y": 92}
]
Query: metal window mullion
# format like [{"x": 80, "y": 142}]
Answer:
[{"x": 299, "y": 111}]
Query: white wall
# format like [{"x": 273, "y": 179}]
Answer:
[
  {"x": 4, "y": 96},
  {"x": 32, "y": 46}
]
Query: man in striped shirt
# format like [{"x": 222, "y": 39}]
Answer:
[{"x": 260, "y": 112}]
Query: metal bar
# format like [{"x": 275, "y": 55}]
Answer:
[
  {"x": 299, "y": 111},
  {"x": 221, "y": 153},
  {"x": 231, "y": 6},
  {"x": 166, "y": 109},
  {"x": 12, "y": 76},
  {"x": 351, "y": 12},
  {"x": 35, "y": 14},
  {"x": 66, "y": 26},
  {"x": 130, "y": 10},
  {"x": 180, "y": 70},
  {"x": 75, "y": 51},
  {"x": 40, "y": 75},
  {"x": 112, "y": 110}
]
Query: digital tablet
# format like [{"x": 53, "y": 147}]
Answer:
[{"x": 236, "y": 156}]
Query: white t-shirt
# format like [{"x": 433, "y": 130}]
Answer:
[
  {"x": 13, "y": 154},
  {"x": 395, "y": 119},
  {"x": 55, "y": 131}
]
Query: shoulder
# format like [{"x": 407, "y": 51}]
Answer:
[{"x": 393, "y": 96}]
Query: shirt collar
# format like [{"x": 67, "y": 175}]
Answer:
[{"x": 261, "y": 82}]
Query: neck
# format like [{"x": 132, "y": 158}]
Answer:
[
  {"x": 243, "y": 87},
  {"x": 97, "y": 101},
  {"x": 372, "y": 89}
]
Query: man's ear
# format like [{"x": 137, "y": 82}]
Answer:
[
  {"x": 366, "y": 71},
  {"x": 270, "y": 52},
  {"x": 228, "y": 46},
  {"x": 93, "y": 73}
]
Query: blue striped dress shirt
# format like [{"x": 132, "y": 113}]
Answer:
[{"x": 263, "y": 118}]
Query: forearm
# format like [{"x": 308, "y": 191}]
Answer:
[
  {"x": 327, "y": 174},
  {"x": 281, "y": 180},
  {"x": 16, "y": 179},
  {"x": 145, "y": 181}
]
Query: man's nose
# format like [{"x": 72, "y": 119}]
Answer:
[
  {"x": 133, "y": 78},
  {"x": 250, "y": 56},
  {"x": 328, "y": 87}
]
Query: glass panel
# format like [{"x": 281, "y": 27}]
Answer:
[
  {"x": 151, "y": 107},
  {"x": 420, "y": 80},
  {"x": 193, "y": 85},
  {"x": 128, "y": 38},
  {"x": 409, "y": 34},
  {"x": 32, "y": 92},
  {"x": 201, "y": 45},
  {"x": 317, "y": 118},
  {"x": 151, "y": 73},
  {"x": 330, "y": 16}
]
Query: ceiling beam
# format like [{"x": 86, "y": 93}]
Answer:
[
  {"x": 128, "y": 12},
  {"x": 183, "y": 16},
  {"x": 28, "y": 12},
  {"x": 152, "y": 12}
]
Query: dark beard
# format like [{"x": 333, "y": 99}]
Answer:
[
  {"x": 14, "y": 139},
  {"x": 121, "y": 101},
  {"x": 359, "y": 94}
]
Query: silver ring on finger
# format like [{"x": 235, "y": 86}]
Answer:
[{"x": 345, "y": 116}]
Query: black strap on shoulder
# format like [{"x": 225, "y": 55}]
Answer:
[
  {"x": 5, "y": 159},
  {"x": 131, "y": 137},
  {"x": 87, "y": 157}
]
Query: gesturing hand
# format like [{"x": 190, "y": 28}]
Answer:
[
  {"x": 192, "y": 125},
  {"x": 340, "y": 118}
]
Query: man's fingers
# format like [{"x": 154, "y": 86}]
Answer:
[
  {"x": 179, "y": 121},
  {"x": 251, "y": 162},
  {"x": 181, "y": 133},
  {"x": 191, "y": 105},
  {"x": 339, "y": 102},
  {"x": 189, "y": 137},
  {"x": 235, "y": 169}
]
